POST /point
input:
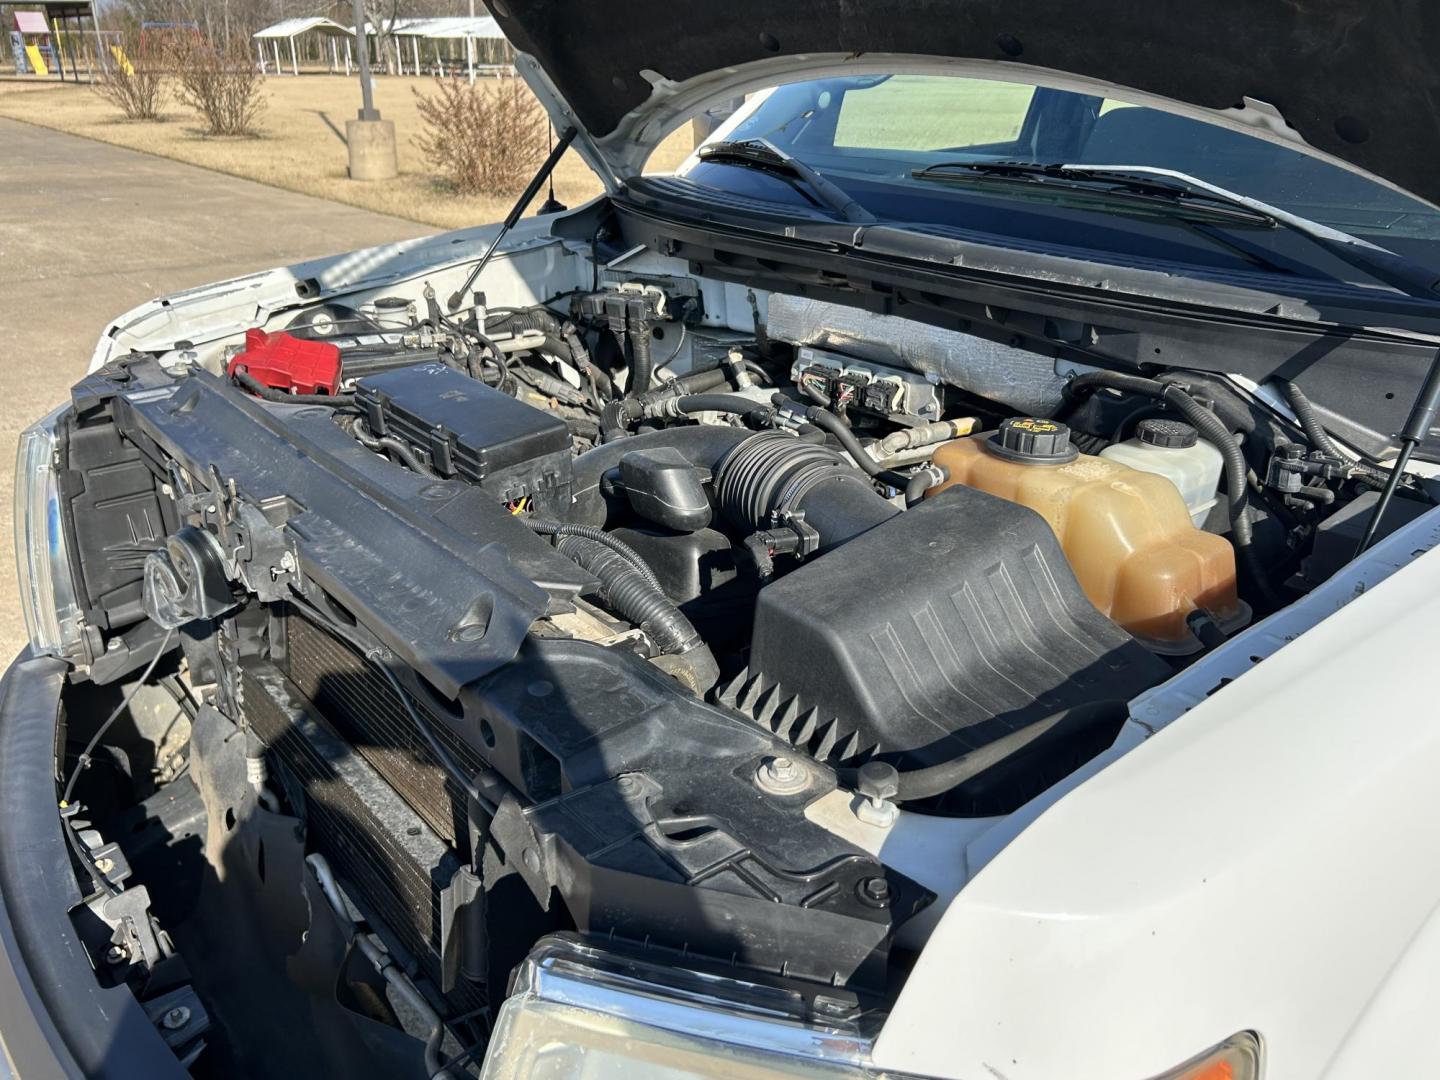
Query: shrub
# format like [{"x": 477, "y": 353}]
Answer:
[
  {"x": 134, "y": 79},
  {"x": 222, "y": 85},
  {"x": 484, "y": 139}
]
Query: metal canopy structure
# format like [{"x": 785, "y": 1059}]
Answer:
[
  {"x": 65, "y": 20},
  {"x": 480, "y": 28},
  {"x": 288, "y": 30}
]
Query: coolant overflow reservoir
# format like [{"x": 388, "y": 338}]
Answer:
[{"x": 1127, "y": 533}]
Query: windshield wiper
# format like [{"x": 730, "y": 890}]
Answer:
[
  {"x": 1121, "y": 187},
  {"x": 1193, "y": 198},
  {"x": 763, "y": 154}
]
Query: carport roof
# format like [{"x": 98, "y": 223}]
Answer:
[
  {"x": 290, "y": 28},
  {"x": 482, "y": 26}
]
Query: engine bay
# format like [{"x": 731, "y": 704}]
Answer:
[{"x": 594, "y": 616}]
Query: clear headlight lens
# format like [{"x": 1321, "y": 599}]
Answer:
[
  {"x": 578, "y": 1013},
  {"x": 47, "y": 590}
]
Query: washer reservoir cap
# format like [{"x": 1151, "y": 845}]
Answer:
[
  {"x": 1033, "y": 441},
  {"x": 1170, "y": 434}
]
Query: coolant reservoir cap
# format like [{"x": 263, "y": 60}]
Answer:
[
  {"x": 1170, "y": 434},
  {"x": 1033, "y": 441}
]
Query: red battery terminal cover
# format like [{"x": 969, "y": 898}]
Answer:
[{"x": 284, "y": 362}]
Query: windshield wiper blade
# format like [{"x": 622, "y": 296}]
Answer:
[
  {"x": 1408, "y": 276},
  {"x": 763, "y": 154},
  {"x": 1189, "y": 194},
  {"x": 1158, "y": 196}
]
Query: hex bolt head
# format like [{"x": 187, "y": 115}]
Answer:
[
  {"x": 176, "y": 1018},
  {"x": 782, "y": 775},
  {"x": 875, "y": 891},
  {"x": 117, "y": 954}
]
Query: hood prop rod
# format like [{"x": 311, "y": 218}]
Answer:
[
  {"x": 1416, "y": 430},
  {"x": 526, "y": 197}
]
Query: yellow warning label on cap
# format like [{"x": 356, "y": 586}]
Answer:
[{"x": 1031, "y": 423}]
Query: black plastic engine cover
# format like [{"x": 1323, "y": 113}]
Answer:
[{"x": 931, "y": 635}]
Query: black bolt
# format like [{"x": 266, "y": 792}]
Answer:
[{"x": 875, "y": 890}]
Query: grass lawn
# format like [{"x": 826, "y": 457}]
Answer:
[
  {"x": 301, "y": 146},
  {"x": 932, "y": 112}
]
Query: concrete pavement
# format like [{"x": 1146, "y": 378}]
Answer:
[{"x": 88, "y": 231}]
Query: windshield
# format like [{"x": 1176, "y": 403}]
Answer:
[{"x": 875, "y": 137}]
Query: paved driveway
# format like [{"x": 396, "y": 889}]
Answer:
[{"x": 88, "y": 231}]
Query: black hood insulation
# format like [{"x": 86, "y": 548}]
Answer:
[{"x": 1356, "y": 79}]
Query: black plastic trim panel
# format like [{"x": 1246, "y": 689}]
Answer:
[{"x": 55, "y": 1019}]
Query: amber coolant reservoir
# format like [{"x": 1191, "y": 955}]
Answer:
[{"x": 1127, "y": 534}]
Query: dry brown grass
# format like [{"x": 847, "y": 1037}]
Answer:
[{"x": 301, "y": 144}]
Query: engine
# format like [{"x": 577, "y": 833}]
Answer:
[{"x": 596, "y": 617}]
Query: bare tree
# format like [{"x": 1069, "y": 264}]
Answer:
[
  {"x": 384, "y": 16},
  {"x": 223, "y": 86},
  {"x": 485, "y": 139},
  {"x": 134, "y": 81}
]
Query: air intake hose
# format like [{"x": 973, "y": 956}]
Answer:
[{"x": 797, "y": 497}]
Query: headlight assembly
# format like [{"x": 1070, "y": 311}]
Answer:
[
  {"x": 579, "y": 1013},
  {"x": 47, "y": 589}
]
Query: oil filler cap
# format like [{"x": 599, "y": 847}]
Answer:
[
  {"x": 1170, "y": 434},
  {"x": 1033, "y": 441}
]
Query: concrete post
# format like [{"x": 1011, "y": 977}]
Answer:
[
  {"x": 371, "y": 140},
  {"x": 294, "y": 63},
  {"x": 372, "y": 149},
  {"x": 260, "y": 49}
]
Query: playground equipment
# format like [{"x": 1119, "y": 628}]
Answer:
[{"x": 56, "y": 39}]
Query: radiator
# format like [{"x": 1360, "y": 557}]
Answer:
[{"x": 387, "y": 855}]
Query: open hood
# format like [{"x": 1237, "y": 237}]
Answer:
[{"x": 1351, "y": 80}]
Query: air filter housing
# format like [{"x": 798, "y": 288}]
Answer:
[{"x": 931, "y": 635}]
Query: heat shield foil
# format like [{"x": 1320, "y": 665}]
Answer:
[{"x": 1023, "y": 380}]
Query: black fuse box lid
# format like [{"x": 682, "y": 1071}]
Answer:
[{"x": 466, "y": 428}]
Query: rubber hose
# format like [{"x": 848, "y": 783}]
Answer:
[
  {"x": 694, "y": 382},
  {"x": 394, "y": 447},
  {"x": 563, "y": 528},
  {"x": 616, "y": 418},
  {"x": 269, "y": 393},
  {"x": 923, "y": 480},
  {"x": 517, "y": 320},
  {"x": 630, "y": 595},
  {"x": 833, "y": 425},
  {"x": 642, "y": 361},
  {"x": 408, "y": 458},
  {"x": 934, "y": 780},
  {"x": 556, "y": 346},
  {"x": 1320, "y": 438},
  {"x": 725, "y": 403}
]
